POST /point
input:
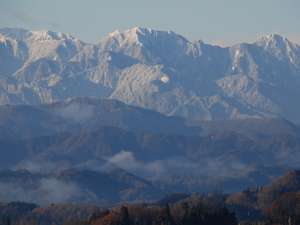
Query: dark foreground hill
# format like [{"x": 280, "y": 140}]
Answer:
[{"x": 272, "y": 204}]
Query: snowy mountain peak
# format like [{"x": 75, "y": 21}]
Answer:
[
  {"x": 39, "y": 35},
  {"x": 120, "y": 38},
  {"x": 146, "y": 44},
  {"x": 280, "y": 47},
  {"x": 273, "y": 41},
  {"x": 129, "y": 36},
  {"x": 142, "y": 35},
  {"x": 274, "y": 38},
  {"x": 45, "y": 35},
  {"x": 144, "y": 31},
  {"x": 141, "y": 30}
]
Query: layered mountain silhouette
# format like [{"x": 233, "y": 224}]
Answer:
[{"x": 88, "y": 134}]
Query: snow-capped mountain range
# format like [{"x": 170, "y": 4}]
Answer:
[{"x": 159, "y": 70}]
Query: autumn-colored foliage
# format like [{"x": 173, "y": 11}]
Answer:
[{"x": 188, "y": 212}]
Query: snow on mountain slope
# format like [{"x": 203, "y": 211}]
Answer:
[
  {"x": 148, "y": 45},
  {"x": 160, "y": 70},
  {"x": 44, "y": 44}
]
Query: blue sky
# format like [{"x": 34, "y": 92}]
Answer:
[{"x": 216, "y": 21}]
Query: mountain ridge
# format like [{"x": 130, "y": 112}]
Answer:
[
  {"x": 20, "y": 33},
  {"x": 158, "y": 70}
]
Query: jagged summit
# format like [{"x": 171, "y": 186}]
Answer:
[
  {"x": 129, "y": 36},
  {"x": 280, "y": 47},
  {"x": 141, "y": 35},
  {"x": 44, "y": 35},
  {"x": 273, "y": 41},
  {"x": 147, "y": 44},
  {"x": 143, "y": 31},
  {"x": 36, "y": 35}
]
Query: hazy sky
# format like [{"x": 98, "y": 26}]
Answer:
[{"x": 215, "y": 21}]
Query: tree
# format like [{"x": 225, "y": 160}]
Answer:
[{"x": 124, "y": 216}]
